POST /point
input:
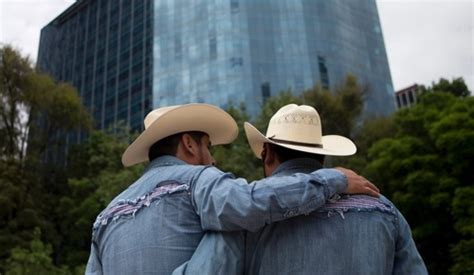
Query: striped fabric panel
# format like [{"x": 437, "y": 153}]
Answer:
[
  {"x": 356, "y": 202},
  {"x": 130, "y": 207}
]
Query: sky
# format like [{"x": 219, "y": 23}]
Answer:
[{"x": 424, "y": 39}]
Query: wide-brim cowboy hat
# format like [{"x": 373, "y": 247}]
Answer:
[
  {"x": 167, "y": 121},
  {"x": 298, "y": 128}
]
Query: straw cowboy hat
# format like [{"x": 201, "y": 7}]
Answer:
[
  {"x": 167, "y": 121},
  {"x": 298, "y": 128}
]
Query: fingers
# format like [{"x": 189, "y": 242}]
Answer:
[
  {"x": 358, "y": 184},
  {"x": 372, "y": 186},
  {"x": 371, "y": 189}
]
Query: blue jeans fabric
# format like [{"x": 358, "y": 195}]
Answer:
[
  {"x": 157, "y": 222},
  {"x": 352, "y": 235}
]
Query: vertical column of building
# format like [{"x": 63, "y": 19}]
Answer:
[
  {"x": 106, "y": 67},
  {"x": 137, "y": 76},
  {"x": 144, "y": 72},
  {"x": 70, "y": 32},
  {"x": 112, "y": 62},
  {"x": 63, "y": 43},
  {"x": 118, "y": 64},
  {"x": 83, "y": 88},
  {"x": 95, "y": 72},
  {"x": 129, "y": 97},
  {"x": 149, "y": 69},
  {"x": 74, "y": 76}
]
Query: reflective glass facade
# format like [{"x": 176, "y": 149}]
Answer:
[
  {"x": 221, "y": 51},
  {"x": 126, "y": 57},
  {"x": 104, "y": 49}
]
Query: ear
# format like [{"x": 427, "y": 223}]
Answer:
[
  {"x": 270, "y": 155},
  {"x": 189, "y": 145}
]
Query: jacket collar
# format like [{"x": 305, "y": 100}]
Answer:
[
  {"x": 165, "y": 161},
  {"x": 301, "y": 165}
]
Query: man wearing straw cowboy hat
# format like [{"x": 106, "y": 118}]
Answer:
[
  {"x": 157, "y": 222},
  {"x": 356, "y": 234}
]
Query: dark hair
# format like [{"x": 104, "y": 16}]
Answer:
[
  {"x": 284, "y": 154},
  {"x": 169, "y": 144}
]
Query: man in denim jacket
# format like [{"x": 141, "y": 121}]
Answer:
[
  {"x": 355, "y": 234},
  {"x": 158, "y": 221}
]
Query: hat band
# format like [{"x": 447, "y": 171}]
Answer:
[{"x": 296, "y": 143}]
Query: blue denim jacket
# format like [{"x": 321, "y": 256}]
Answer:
[
  {"x": 157, "y": 222},
  {"x": 353, "y": 235}
]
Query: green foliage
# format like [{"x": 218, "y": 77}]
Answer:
[
  {"x": 371, "y": 131},
  {"x": 339, "y": 109},
  {"x": 96, "y": 176},
  {"x": 425, "y": 168},
  {"x": 237, "y": 157},
  {"x": 54, "y": 108},
  {"x": 29, "y": 100},
  {"x": 14, "y": 92},
  {"x": 30, "y": 189},
  {"x": 36, "y": 259},
  {"x": 463, "y": 212},
  {"x": 457, "y": 87}
]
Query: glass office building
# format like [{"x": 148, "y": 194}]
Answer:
[
  {"x": 104, "y": 49},
  {"x": 129, "y": 56}
]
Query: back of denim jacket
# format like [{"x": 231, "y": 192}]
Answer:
[
  {"x": 352, "y": 235},
  {"x": 151, "y": 227}
]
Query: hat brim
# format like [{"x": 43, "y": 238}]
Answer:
[
  {"x": 333, "y": 145},
  {"x": 219, "y": 125}
]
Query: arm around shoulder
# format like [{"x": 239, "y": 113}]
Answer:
[{"x": 226, "y": 204}]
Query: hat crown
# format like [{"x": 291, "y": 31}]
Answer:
[
  {"x": 296, "y": 124},
  {"x": 165, "y": 121},
  {"x": 155, "y": 114}
]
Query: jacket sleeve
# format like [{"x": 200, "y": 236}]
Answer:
[
  {"x": 407, "y": 258},
  {"x": 94, "y": 266},
  {"x": 226, "y": 204}
]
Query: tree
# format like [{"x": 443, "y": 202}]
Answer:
[
  {"x": 425, "y": 169},
  {"x": 33, "y": 260},
  {"x": 371, "y": 131},
  {"x": 96, "y": 176},
  {"x": 457, "y": 87},
  {"x": 29, "y": 194},
  {"x": 237, "y": 157},
  {"x": 29, "y": 98},
  {"x": 340, "y": 109},
  {"x": 14, "y": 88}
]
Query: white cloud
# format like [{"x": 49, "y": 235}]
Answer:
[
  {"x": 426, "y": 40},
  {"x": 21, "y": 22}
]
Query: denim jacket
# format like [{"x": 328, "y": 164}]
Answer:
[
  {"x": 352, "y": 235},
  {"x": 157, "y": 222}
]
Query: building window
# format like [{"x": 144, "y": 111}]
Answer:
[
  {"x": 236, "y": 62},
  {"x": 212, "y": 45},
  {"x": 177, "y": 47},
  {"x": 404, "y": 100},
  {"x": 398, "y": 102},
  {"x": 265, "y": 88},
  {"x": 234, "y": 6},
  {"x": 323, "y": 71},
  {"x": 410, "y": 97}
]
